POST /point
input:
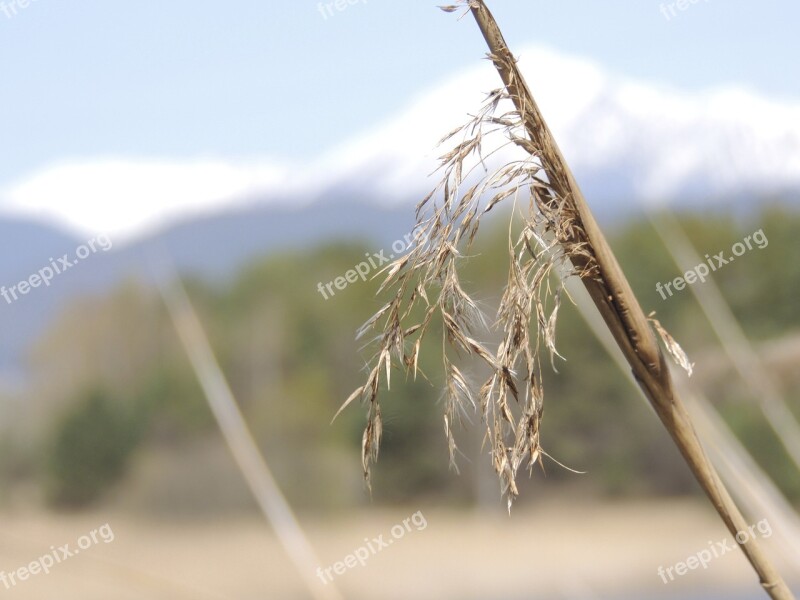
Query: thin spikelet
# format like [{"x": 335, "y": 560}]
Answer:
[{"x": 448, "y": 219}]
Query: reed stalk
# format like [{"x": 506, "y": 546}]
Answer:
[{"x": 622, "y": 313}]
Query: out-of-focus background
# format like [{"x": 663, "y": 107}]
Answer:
[{"x": 261, "y": 151}]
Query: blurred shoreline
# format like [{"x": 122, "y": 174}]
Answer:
[{"x": 553, "y": 549}]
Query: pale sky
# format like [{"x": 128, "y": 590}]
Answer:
[{"x": 258, "y": 86}]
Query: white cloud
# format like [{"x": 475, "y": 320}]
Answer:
[{"x": 625, "y": 139}]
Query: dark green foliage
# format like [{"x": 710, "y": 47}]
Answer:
[
  {"x": 90, "y": 450},
  {"x": 291, "y": 358}
]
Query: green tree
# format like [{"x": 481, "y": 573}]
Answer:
[{"x": 90, "y": 450}]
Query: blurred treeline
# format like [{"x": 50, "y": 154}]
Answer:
[{"x": 116, "y": 414}]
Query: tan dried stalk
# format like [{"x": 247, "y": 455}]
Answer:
[{"x": 558, "y": 235}]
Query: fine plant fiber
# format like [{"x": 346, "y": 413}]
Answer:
[
  {"x": 510, "y": 398},
  {"x": 559, "y": 236},
  {"x": 550, "y": 246}
]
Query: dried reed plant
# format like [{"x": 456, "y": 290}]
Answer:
[{"x": 559, "y": 238}]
